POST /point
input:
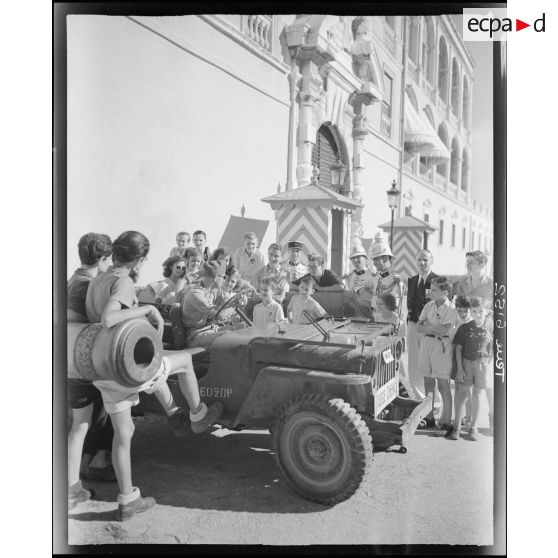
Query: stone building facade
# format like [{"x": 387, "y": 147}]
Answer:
[{"x": 184, "y": 119}]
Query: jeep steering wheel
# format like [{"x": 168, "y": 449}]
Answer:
[{"x": 228, "y": 304}]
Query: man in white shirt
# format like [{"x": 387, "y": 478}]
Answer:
[{"x": 249, "y": 259}]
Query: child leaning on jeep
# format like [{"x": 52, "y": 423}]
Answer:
[{"x": 304, "y": 302}]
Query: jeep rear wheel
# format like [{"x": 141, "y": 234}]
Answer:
[{"x": 322, "y": 447}]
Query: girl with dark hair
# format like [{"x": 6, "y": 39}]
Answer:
[
  {"x": 111, "y": 299},
  {"x": 221, "y": 255},
  {"x": 174, "y": 271}
]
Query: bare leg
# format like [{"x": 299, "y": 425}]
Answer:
[
  {"x": 123, "y": 432},
  {"x": 475, "y": 405},
  {"x": 182, "y": 367},
  {"x": 445, "y": 392},
  {"x": 490, "y": 400},
  {"x": 430, "y": 387},
  {"x": 462, "y": 394},
  {"x": 165, "y": 398},
  {"x": 80, "y": 425}
]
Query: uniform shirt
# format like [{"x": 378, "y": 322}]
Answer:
[
  {"x": 197, "y": 305},
  {"x": 297, "y": 305},
  {"x": 476, "y": 341},
  {"x": 278, "y": 278},
  {"x": 464, "y": 287},
  {"x": 387, "y": 282},
  {"x": 356, "y": 280},
  {"x": 295, "y": 271},
  {"x": 78, "y": 284},
  {"x": 328, "y": 278},
  {"x": 443, "y": 315},
  {"x": 111, "y": 285},
  {"x": 268, "y": 313},
  {"x": 248, "y": 265}
]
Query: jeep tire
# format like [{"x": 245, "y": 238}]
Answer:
[{"x": 323, "y": 448}]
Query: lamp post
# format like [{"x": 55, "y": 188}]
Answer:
[
  {"x": 338, "y": 171},
  {"x": 393, "y": 201}
]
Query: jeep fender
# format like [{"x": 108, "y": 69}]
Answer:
[{"x": 275, "y": 386}]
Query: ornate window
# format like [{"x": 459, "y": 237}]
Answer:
[
  {"x": 455, "y": 80},
  {"x": 442, "y": 168},
  {"x": 443, "y": 69},
  {"x": 387, "y": 100},
  {"x": 454, "y": 165}
]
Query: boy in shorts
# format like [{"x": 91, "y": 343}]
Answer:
[
  {"x": 435, "y": 351},
  {"x": 304, "y": 302},
  {"x": 473, "y": 353}
]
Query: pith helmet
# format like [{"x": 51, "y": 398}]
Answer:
[
  {"x": 380, "y": 247},
  {"x": 356, "y": 252}
]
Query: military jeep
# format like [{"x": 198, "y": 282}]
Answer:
[{"x": 326, "y": 391}]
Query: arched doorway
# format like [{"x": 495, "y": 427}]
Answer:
[{"x": 327, "y": 150}]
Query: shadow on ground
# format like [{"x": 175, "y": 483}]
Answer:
[{"x": 224, "y": 470}]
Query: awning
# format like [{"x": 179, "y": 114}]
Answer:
[{"x": 420, "y": 137}]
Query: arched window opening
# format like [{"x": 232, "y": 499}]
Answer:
[
  {"x": 325, "y": 153},
  {"x": 455, "y": 88},
  {"x": 442, "y": 168},
  {"x": 443, "y": 69},
  {"x": 466, "y": 102},
  {"x": 413, "y": 44},
  {"x": 430, "y": 51},
  {"x": 454, "y": 165},
  {"x": 465, "y": 171}
]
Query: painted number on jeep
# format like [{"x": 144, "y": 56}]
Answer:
[
  {"x": 385, "y": 395},
  {"x": 215, "y": 391},
  {"x": 388, "y": 357}
]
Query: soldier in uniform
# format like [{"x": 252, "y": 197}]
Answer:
[
  {"x": 293, "y": 266},
  {"x": 386, "y": 279},
  {"x": 359, "y": 286}
]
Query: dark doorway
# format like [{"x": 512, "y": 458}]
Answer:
[{"x": 337, "y": 239}]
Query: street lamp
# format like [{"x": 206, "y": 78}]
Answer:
[
  {"x": 338, "y": 171},
  {"x": 393, "y": 201}
]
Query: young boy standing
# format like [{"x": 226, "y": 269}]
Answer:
[
  {"x": 200, "y": 242},
  {"x": 473, "y": 352},
  {"x": 304, "y": 302},
  {"x": 268, "y": 311},
  {"x": 273, "y": 274},
  {"x": 248, "y": 259},
  {"x": 182, "y": 243},
  {"x": 435, "y": 351}
]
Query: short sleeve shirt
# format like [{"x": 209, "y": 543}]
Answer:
[
  {"x": 111, "y": 285},
  {"x": 278, "y": 278},
  {"x": 327, "y": 279},
  {"x": 176, "y": 251},
  {"x": 78, "y": 285},
  {"x": 297, "y": 305},
  {"x": 268, "y": 313},
  {"x": 443, "y": 315},
  {"x": 248, "y": 265},
  {"x": 476, "y": 342}
]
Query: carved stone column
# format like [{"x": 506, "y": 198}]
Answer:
[
  {"x": 311, "y": 86},
  {"x": 359, "y": 100}
]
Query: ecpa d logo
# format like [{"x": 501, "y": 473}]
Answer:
[{"x": 493, "y": 24}]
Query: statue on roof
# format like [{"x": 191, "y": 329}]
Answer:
[{"x": 362, "y": 50}]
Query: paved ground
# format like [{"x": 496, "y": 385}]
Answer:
[{"x": 225, "y": 488}]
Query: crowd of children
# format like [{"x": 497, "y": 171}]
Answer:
[{"x": 455, "y": 340}]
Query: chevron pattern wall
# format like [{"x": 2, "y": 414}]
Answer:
[
  {"x": 307, "y": 224},
  {"x": 406, "y": 244}
]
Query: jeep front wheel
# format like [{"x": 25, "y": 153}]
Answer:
[{"x": 322, "y": 447}]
